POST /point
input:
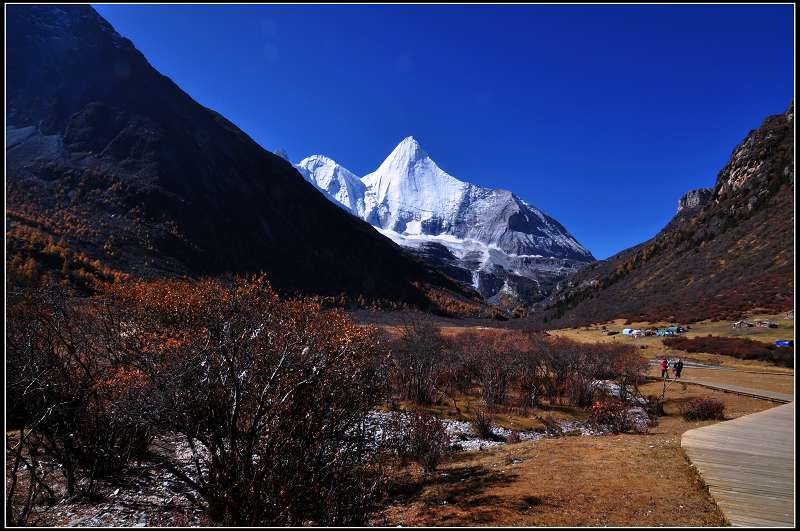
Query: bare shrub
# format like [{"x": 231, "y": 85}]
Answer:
[
  {"x": 28, "y": 482},
  {"x": 531, "y": 373},
  {"x": 488, "y": 359},
  {"x": 417, "y": 360},
  {"x": 420, "y": 437},
  {"x": 494, "y": 372},
  {"x": 621, "y": 364},
  {"x": 612, "y": 414},
  {"x": 572, "y": 370},
  {"x": 70, "y": 387},
  {"x": 457, "y": 369},
  {"x": 483, "y": 423},
  {"x": 703, "y": 409},
  {"x": 564, "y": 370}
]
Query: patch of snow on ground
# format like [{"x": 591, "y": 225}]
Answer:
[
  {"x": 464, "y": 438},
  {"x": 613, "y": 389},
  {"x": 638, "y": 416}
]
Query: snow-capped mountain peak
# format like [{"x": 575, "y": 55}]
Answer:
[
  {"x": 411, "y": 200},
  {"x": 407, "y": 153},
  {"x": 335, "y": 181},
  {"x": 409, "y": 186}
]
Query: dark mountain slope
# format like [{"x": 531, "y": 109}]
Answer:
[
  {"x": 718, "y": 257},
  {"x": 117, "y": 169}
]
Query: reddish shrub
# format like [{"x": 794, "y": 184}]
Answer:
[
  {"x": 703, "y": 409},
  {"x": 738, "y": 347},
  {"x": 417, "y": 361},
  {"x": 271, "y": 395},
  {"x": 614, "y": 415}
]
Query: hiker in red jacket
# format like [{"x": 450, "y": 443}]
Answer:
[{"x": 664, "y": 366}]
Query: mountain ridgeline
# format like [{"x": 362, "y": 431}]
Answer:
[
  {"x": 728, "y": 250},
  {"x": 504, "y": 247},
  {"x": 113, "y": 169}
]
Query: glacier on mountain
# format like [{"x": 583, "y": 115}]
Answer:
[{"x": 506, "y": 248}]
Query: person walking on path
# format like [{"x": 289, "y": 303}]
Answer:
[
  {"x": 678, "y": 368},
  {"x": 664, "y": 366}
]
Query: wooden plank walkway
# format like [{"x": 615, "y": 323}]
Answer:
[
  {"x": 748, "y": 466},
  {"x": 748, "y": 391},
  {"x": 763, "y": 394}
]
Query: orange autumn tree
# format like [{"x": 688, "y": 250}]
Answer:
[{"x": 270, "y": 395}]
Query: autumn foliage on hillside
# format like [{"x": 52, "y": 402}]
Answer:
[
  {"x": 34, "y": 256},
  {"x": 41, "y": 250}
]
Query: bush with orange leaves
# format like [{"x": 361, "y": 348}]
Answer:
[
  {"x": 69, "y": 389},
  {"x": 269, "y": 396}
]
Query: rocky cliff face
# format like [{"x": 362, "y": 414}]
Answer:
[
  {"x": 731, "y": 252},
  {"x": 694, "y": 199},
  {"x": 758, "y": 166}
]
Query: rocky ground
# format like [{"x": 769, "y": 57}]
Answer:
[{"x": 144, "y": 494}]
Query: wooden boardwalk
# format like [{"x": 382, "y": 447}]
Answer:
[
  {"x": 763, "y": 394},
  {"x": 747, "y": 391},
  {"x": 748, "y": 465}
]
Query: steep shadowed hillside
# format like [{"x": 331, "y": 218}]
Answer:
[
  {"x": 724, "y": 252},
  {"x": 112, "y": 168}
]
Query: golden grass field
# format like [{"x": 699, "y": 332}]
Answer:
[{"x": 653, "y": 346}]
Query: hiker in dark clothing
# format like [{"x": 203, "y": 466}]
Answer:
[
  {"x": 678, "y": 368},
  {"x": 664, "y": 366}
]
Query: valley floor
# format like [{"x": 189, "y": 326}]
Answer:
[
  {"x": 626, "y": 480},
  {"x": 652, "y": 346}
]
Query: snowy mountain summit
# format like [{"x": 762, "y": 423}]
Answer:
[
  {"x": 506, "y": 248},
  {"x": 409, "y": 192},
  {"x": 335, "y": 181}
]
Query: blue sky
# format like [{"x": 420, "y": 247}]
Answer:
[{"x": 602, "y": 116}]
